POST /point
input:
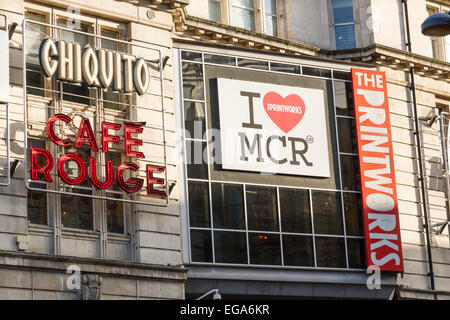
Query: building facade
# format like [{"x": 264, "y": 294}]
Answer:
[{"x": 226, "y": 192}]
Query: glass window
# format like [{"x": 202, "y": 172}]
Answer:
[
  {"x": 347, "y": 135},
  {"x": 265, "y": 248},
  {"x": 77, "y": 212},
  {"x": 342, "y": 75},
  {"x": 316, "y": 72},
  {"x": 114, "y": 214},
  {"x": 116, "y": 158},
  {"x": 230, "y": 247},
  {"x": 201, "y": 246},
  {"x": 343, "y": 98},
  {"x": 228, "y": 206},
  {"x": 35, "y": 33},
  {"x": 298, "y": 251},
  {"x": 350, "y": 173},
  {"x": 37, "y": 204},
  {"x": 344, "y": 24},
  {"x": 193, "y": 81},
  {"x": 111, "y": 99},
  {"x": 71, "y": 167},
  {"x": 114, "y": 209},
  {"x": 434, "y": 41},
  {"x": 356, "y": 253},
  {"x": 330, "y": 252},
  {"x": 36, "y": 143},
  {"x": 271, "y": 17},
  {"x": 75, "y": 92},
  {"x": 327, "y": 212},
  {"x": 281, "y": 67},
  {"x": 345, "y": 37},
  {"x": 212, "y": 58},
  {"x": 199, "y": 204},
  {"x": 353, "y": 214},
  {"x": 215, "y": 10},
  {"x": 242, "y": 223},
  {"x": 342, "y": 11},
  {"x": 295, "y": 211},
  {"x": 192, "y": 56},
  {"x": 243, "y": 14},
  {"x": 196, "y": 165},
  {"x": 253, "y": 64},
  {"x": 194, "y": 119},
  {"x": 262, "y": 208},
  {"x": 447, "y": 48}
]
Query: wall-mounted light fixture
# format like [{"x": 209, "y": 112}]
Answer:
[{"x": 437, "y": 25}]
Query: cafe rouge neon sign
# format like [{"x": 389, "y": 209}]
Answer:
[{"x": 100, "y": 68}]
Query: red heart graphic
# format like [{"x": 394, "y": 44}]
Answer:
[{"x": 287, "y": 112}]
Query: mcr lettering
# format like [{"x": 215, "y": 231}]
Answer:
[
  {"x": 379, "y": 196},
  {"x": 42, "y": 160}
]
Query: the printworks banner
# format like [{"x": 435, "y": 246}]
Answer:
[
  {"x": 272, "y": 128},
  {"x": 376, "y": 160}
]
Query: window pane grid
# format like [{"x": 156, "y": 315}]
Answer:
[
  {"x": 276, "y": 245},
  {"x": 188, "y": 56}
]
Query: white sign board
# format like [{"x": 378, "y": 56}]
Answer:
[
  {"x": 4, "y": 67},
  {"x": 271, "y": 128}
]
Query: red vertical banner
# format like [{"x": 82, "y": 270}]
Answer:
[{"x": 376, "y": 164}]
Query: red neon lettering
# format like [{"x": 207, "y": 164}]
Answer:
[
  {"x": 51, "y": 132},
  {"x": 36, "y": 168},
  {"x": 151, "y": 181},
  {"x": 93, "y": 174},
  {"x": 108, "y": 138},
  {"x": 81, "y": 166},
  {"x": 129, "y": 128},
  {"x": 85, "y": 127},
  {"x": 132, "y": 185}
]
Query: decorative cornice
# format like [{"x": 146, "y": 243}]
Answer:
[
  {"x": 395, "y": 58},
  {"x": 34, "y": 261},
  {"x": 211, "y": 32},
  {"x": 173, "y": 4}
]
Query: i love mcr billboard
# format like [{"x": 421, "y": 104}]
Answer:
[{"x": 275, "y": 129}]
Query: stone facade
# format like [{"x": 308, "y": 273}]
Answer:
[
  {"x": 144, "y": 262},
  {"x": 147, "y": 261}
]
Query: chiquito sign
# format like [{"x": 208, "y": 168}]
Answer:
[
  {"x": 376, "y": 161},
  {"x": 272, "y": 128},
  {"x": 101, "y": 68}
]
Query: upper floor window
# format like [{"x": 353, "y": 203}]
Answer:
[
  {"x": 215, "y": 10},
  {"x": 70, "y": 211},
  {"x": 434, "y": 41},
  {"x": 255, "y": 15},
  {"x": 344, "y": 24},
  {"x": 243, "y": 14},
  {"x": 440, "y": 46},
  {"x": 271, "y": 18}
]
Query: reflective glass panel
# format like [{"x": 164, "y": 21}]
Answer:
[
  {"x": 228, "y": 206},
  {"x": 265, "y": 248},
  {"x": 262, "y": 208}
]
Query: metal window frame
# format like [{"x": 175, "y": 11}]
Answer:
[
  {"x": 8, "y": 133},
  {"x": 25, "y": 117},
  {"x": 185, "y": 216}
]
